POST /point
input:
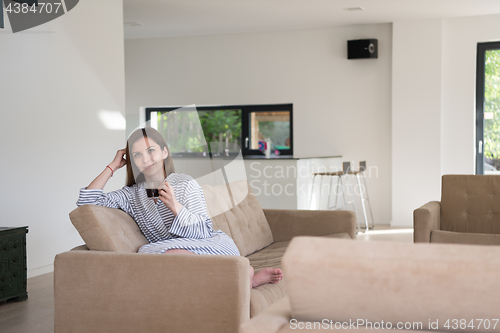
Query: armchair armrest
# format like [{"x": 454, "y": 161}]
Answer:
[
  {"x": 426, "y": 219},
  {"x": 97, "y": 291},
  {"x": 286, "y": 224}
]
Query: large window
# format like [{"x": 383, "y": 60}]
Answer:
[
  {"x": 488, "y": 109},
  {"x": 247, "y": 126}
]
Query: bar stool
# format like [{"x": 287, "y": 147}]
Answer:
[
  {"x": 363, "y": 193},
  {"x": 346, "y": 170}
]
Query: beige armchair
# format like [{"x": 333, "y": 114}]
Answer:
[
  {"x": 105, "y": 286},
  {"x": 468, "y": 213}
]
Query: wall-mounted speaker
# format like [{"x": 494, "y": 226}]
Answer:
[{"x": 362, "y": 49}]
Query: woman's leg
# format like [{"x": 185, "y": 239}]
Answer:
[
  {"x": 178, "y": 251},
  {"x": 265, "y": 275}
]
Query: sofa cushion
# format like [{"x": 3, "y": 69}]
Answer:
[
  {"x": 449, "y": 237},
  {"x": 270, "y": 256},
  {"x": 470, "y": 203},
  {"x": 107, "y": 229},
  {"x": 264, "y": 295},
  {"x": 396, "y": 282},
  {"x": 234, "y": 209}
]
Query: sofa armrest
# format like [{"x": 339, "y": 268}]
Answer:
[
  {"x": 97, "y": 291},
  {"x": 286, "y": 224},
  {"x": 392, "y": 281},
  {"x": 426, "y": 219},
  {"x": 82, "y": 247},
  {"x": 270, "y": 320}
]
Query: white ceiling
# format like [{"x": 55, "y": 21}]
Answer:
[{"x": 165, "y": 18}]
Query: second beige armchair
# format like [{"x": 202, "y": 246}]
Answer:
[{"x": 468, "y": 213}]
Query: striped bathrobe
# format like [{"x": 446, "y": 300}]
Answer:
[{"x": 191, "y": 229}]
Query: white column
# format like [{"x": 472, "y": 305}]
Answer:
[{"x": 416, "y": 116}]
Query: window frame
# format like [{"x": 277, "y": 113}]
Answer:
[
  {"x": 246, "y": 111},
  {"x": 480, "y": 82}
]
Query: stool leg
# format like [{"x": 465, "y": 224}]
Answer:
[
  {"x": 330, "y": 194},
  {"x": 362, "y": 201},
  {"x": 337, "y": 193},
  {"x": 320, "y": 190},
  {"x": 368, "y": 199},
  {"x": 343, "y": 192},
  {"x": 353, "y": 202},
  {"x": 312, "y": 192}
]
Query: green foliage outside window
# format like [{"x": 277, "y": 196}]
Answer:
[
  {"x": 227, "y": 122},
  {"x": 181, "y": 129},
  {"x": 492, "y": 105}
]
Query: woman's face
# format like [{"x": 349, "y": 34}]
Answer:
[{"x": 148, "y": 156}]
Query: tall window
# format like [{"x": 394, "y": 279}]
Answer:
[
  {"x": 248, "y": 126},
  {"x": 488, "y": 109}
]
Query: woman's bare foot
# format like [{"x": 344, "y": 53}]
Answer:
[{"x": 267, "y": 275}]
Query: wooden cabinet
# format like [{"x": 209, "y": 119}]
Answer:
[{"x": 13, "y": 273}]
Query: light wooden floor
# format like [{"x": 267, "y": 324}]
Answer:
[
  {"x": 387, "y": 233},
  {"x": 36, "y": 315}
]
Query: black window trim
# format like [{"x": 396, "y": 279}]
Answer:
[
  {"x": 246, "y": 110},
  {"x": 480, "y": 81}
]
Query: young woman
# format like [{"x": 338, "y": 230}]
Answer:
[{"x": 176, "y": 222}]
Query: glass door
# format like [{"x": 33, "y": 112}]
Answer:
[{"x": 488, "y": 109}]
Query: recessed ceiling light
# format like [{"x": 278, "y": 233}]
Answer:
[
  {"x": 353, "y": 9},
  {"x": 132, "y": 24}
]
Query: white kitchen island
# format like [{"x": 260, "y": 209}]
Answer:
[{"x": 279, "y": 182}]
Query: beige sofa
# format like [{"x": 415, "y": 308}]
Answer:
[
  {"x": 111, "y": 288},
  {"x": 468, "y": 213},
  {"x": 384, "y": 286}
]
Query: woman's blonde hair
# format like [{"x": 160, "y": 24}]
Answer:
[{"x": 152, "y": 134}]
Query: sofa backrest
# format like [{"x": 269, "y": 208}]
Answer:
[
  {"x": 342, "y": 280},
  {"x": 234, "y": 209},
  {"x": 470, "y": 203}
]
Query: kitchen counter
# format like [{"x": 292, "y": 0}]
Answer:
[
  {"x": 286, "y": 157},
  {"x": 279, "y": 182}
]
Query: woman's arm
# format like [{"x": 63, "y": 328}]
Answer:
[
  {"x": 191, "y": 219},
  {"x": 94, "y": 195},
  {"x": 119, "y": 199},
  {"x": 100, "y": 181}
]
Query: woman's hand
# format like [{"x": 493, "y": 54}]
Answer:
[
  {"x": 119, "y": 161},
  {"x": 167, "y": 196}
]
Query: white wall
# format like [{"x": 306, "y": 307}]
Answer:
[
  {"x": 340, "y": 106},
  {"x": 54, "y": 81},
  {"x": 416, "y": 120},
  {"x": 434, "y": 78}
]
